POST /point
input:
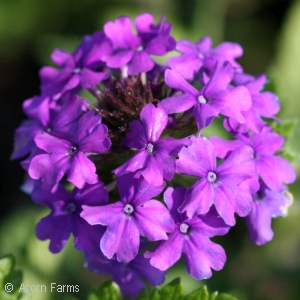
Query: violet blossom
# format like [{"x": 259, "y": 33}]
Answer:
[
  {"x": 129, "y": 275},
  {"x": 267, "y": 204},
  {"x": 154, "y": 158},
  {"x": 69, "y": 156},
  {"x": 190, "y": 238},
  {"x": 218, "y": 185},
  {"x": 65, "y": 219},
  {"x": 134, "y": 51},
  {"x": 133, "y": 216},
  {"x": 84, "y": 68},
  {"x": 45, "y": 116},
  {"x": 264, "y": 104},
  {"x": 215, "y": 98},
  {"x": 274, "y": 170},
  {"x": 195, "y": 55}
]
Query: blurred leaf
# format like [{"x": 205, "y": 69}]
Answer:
[
  {"x": 285, "y": 128},
  {"x": 142, "y": 295},
  {"x": 172, "y": 290},
  {"x": 213, "y": 296},
  {"x": 224, "y": 297},
  {"x": 10, "y": 279},
  {"x": 107, "y": 291},
  {"x": 7, "y": 263},
  {"x": 155, "y": 295},
  {"x": 199, "y": 294}
]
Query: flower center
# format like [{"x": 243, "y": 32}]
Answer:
[
  {"x": 200, "y": 55},
  {"x": 48, "y": 129},
  {"x": 73, "y": 150},
  {"x": 70, "y": 207},
  {"x": 77, "y": 70},
  {"x": 184, "y": 228},
  {"x": 150, "y": 148},
  {"x": 140, "y": 48},
  {"x": 128, "y": 209},
  {"x": 202, "y": 99},
  {"x": 211, "y": 177}
]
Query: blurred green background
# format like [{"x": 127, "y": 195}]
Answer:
[{"x": 268, "y": 30}]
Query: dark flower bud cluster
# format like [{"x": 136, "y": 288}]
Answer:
[{"x": 143, "y": 124}]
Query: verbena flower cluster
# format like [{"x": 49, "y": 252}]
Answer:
[{"x": 110, "y": 117}]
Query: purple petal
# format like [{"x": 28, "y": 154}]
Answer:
[
  {"x": 199, "y": 198},
  {"x": 267, "y": 142},
  {"x": 50, "y": 144},
  {"x": 86, "y": 237},
  {"x": 119, "y": 58},
  {"x": 174, "y": 80},
  {"x": 275, "y": 171},
  {"x": 105, "y": 215},
  {"x": 145, "y": 270},
  {"x": 90, "y": 79},
  {"x": 238, "y": 166},
  {"x": 121, "y": 34},
  {"x": 97, "y": 141},
  {"x": 220, "y": 79},
  {"x": 222, "y": 147},
  {"x": 47, "y": 228},
  {"x": 155, "y": 121},
  {"x": 166, "y": 253},
  {"x": 137, "y": 162},
  {"x": 153, "y": 171},
  {"x": 197, "y": 159},
  {"x": 140, "y": 62},
  {"x": 199, "y": 261},
  {"x": 186, "y": 65},
  {"x": 82, "y": 171},
  {"x": 95, "y": 194},
  {"x": 61, "y": 57},
  {"x": 121, "y": 238},
  {"x": 178, "y": 103},
  {"x": 154, "y": 220},
  {"x": 204, "y": 114},
  {"x": 136, "y": 137},
  {"x": 144, "y": 22},
  {"x": 173, "y": 199}
]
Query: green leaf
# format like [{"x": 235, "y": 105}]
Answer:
[
  {"x": 155, "y": 295},
  {"x": 285, "y": 128},
  {"x": 172, "y": 291},
  {"x": 213, "y": 296},
  {"x": 142, "y": 295},
  {"x": 107, "y": 291},
  {"x": 199, "y": 294},
  {"x": 7, "y": 263},
  {"x": 225, "y": 297}
]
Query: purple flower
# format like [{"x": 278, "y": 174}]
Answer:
[
  {"x": 154, "y": 157},
  {"x": 127, "y": 275},
  {"x": 45, "y": 116},
  {"x": 190, "y": 237},
  {"x": 215, "y": 98},
  {"x": 264, "y": 104},
  {"x": 65, "y": 219},
  {"x": 135, "y": 50},
  {"x": 273, "y": 170},
  {"x": 131, "y": 217},
  {"x": 218, "y": 185},
  {"x": 195, "y": 55},
  {"x": 83, "y": 68},
  {"x": 266, "y": 205},
  {"x": 69, "y": 156}
]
